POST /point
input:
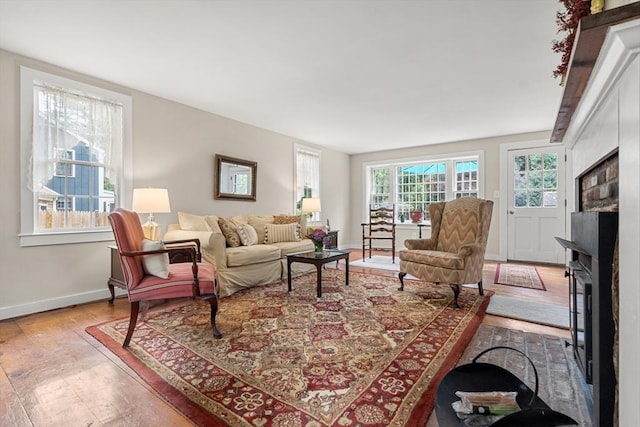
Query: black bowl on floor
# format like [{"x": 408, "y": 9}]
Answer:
[{"x": 481, "y": 377}]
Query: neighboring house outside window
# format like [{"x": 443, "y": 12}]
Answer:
[
  {"x": 73, "y": 140},
  {"x": 307, "y": 175},
  {"x": 413, "y": 185}
]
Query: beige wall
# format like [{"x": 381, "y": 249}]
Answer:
[
  {"x": 491, "y": 148},
  {"x": 173, "y": 147}
]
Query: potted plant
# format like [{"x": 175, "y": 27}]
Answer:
[{"x": 416, "y": 216}]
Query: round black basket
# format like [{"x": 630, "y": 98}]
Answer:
[{"x": 483, "y": 377}]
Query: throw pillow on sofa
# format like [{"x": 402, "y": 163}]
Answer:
[
  {"x": 248, "y": 235},
  {"x": 285, "y": 219},
  {"x": 192, "y": 222},
  {"x": 275, "y": 233},
  {"x": 229, "y": 229},
  {"x": 157, "y": 264},
  {"x": 258, "y": 222}
]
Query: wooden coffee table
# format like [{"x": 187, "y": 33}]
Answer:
[{"x": 318, "y": 259}]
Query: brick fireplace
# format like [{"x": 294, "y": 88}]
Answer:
[{"x": 599, "y": 186}]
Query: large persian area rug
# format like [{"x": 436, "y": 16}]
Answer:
[
  {"x": 363, "y": 354},
  {"x": 524, "y": 276}
]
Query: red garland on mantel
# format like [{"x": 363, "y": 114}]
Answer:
[{"x": 568, "y": 21}]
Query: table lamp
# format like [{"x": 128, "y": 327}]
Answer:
[
  {"x": 310, "y": 205},
  {"x": 150, "y": 200}
]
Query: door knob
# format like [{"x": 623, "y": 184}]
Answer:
[{"x": 511, "y": 212}]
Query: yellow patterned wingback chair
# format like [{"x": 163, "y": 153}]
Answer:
[{"x": 454, "y": 253}]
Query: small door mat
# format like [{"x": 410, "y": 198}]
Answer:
[
  {"x": 529, "y": 311},
  {"x": 524, "y": 276}
]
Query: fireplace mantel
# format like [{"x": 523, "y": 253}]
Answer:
[{"x": 588, "y": 43}]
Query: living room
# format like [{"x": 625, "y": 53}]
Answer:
[{"x": 173, "y": 147}]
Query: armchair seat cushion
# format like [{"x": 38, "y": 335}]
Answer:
[
  {"x": 152, "y": 287},
  {"x": 433, "y": 258}
]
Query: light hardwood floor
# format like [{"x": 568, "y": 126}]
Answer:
[{"x": 52, "y": 373}]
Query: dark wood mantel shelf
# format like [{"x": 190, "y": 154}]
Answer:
[{"x": 591, "y": 34}]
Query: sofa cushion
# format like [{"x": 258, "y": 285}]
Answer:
[
  {"x": 248, "y": 235},
  {"x": 275, "y": 233},
  {"x": 286, "y": 248},
  {"x": 192, "y": 222},
  {"x": 156, "y": 264},
  {"x": 258, "y": 222},
  {"x": 246, "y": 255},
  {"x": 229, "y": 229}
]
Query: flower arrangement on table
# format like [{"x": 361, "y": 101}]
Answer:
[{"x": 319, "y": 238}]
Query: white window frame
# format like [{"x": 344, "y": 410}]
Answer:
[
  {"x": 28, "y": 203},
  {"x": 450, "y": 159},
  {"x": 297, "y": 148},
  {"x": 64, "y": 163}
]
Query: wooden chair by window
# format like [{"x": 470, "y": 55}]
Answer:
[{"x": 381, "y": 226}]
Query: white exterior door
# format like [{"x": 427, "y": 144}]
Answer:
[{"x": 536, "y": 204}]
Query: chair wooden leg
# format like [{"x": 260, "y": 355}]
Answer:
[
  {"x": 133, "y": 319},
  {"x": 112, "y": 292},
  {"x": 480, "y": 290},
  {"x": 456, "y": 292},
  {"x": 401, "y": 277},
  {"x": 213, "y": 302}
]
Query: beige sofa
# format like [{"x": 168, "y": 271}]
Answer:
[{"x": 245, "y": 265}]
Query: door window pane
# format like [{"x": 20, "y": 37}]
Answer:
[
  {"x": 535, "y": 162},
  {"x": 533, "y": 174}
]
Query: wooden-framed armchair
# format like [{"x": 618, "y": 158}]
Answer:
[
  {"x": 381, "y": 226},
  {"x": 454, "y": 253},
  {"x": 188, "y": 279}
]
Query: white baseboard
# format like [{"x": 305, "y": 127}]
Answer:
[{"x": 54, "y": 303}]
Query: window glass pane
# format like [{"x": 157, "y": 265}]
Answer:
[
  {"x": 550, "y": 161},
  {"x": 550, "y": 199},
  {"x": 307, "y": 176},
  {"x": 519, "y": 164},
  {"x": 466, "y": 178},
  {"x": 535, "y": 199},
  {"x": 520, "y": 180},
  {"x": 535, "y": 179},
  {"x": 550, "y": 179},
  {"x": 535, "y": 162},
  {"x": 419, "y": 185},
  {"x": 520, "y": 199}
]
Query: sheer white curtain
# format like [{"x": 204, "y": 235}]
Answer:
[
  {"x": 63, "y": 119},
  {"x": 307, "y": 174}
]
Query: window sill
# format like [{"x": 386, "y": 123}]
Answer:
[{"x": 65, "y": 238}]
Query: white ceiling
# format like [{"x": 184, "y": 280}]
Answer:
[{"x": 354, "y": 75}]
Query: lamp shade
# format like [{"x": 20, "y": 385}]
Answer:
[
  {"x": 151, "y": 200},
  {"x": 310, "y": 204}
]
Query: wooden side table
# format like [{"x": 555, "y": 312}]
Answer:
[{"x": 333, "y": 237}]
